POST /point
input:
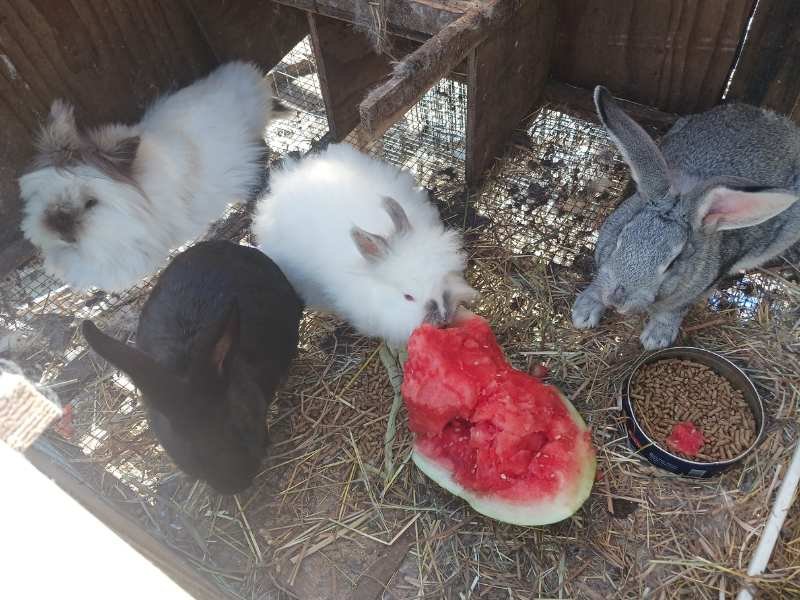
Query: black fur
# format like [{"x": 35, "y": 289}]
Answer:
[{"x": 215, "y": 339}]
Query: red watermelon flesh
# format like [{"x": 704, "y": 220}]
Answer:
[
  {"x": 511, "y": 445},
  {"x": 686, "y": 437}
]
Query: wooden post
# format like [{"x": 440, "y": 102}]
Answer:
[
  {"x": 768, "y": 71},
  {"x": 506, "y": 79},
  {"x": 347, "y": 67},
  {"x": 421, "y": 69},
  {"x": 414, "y": 19}
]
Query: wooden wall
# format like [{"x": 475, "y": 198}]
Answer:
[
  {"x": 675, "y": 55},
  {"x": 768, "y": 71},
  {"x": 111, "y": 58}
]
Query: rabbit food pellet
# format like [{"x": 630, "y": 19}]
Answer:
[{"x": 691, "y": 411}]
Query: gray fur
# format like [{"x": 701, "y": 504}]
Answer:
[{"x": 726, "y": 202}]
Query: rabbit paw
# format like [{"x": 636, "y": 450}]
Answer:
[
  {"x": 659, "y": 334},
  {"x": 586, "y": 311}
]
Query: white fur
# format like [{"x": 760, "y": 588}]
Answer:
[
  {"x": 304, "y": 225},
  {"x": 200, "y": 150}
]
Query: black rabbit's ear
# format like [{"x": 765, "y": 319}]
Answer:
[
  {"x": 215, "y": 345},
  {"x": 162, "y": 388}
]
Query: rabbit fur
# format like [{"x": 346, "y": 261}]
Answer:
[
  {"x": 215, "y": 338},
  {"x": 106, "y": 205},
  {"x": 718, "y": 196},
  {"x": 357, "y": 237}
]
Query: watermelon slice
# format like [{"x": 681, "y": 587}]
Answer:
[{"x": 513, "y": 447}]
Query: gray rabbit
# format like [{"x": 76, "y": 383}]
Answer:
[{"x": 718, "y": 197}]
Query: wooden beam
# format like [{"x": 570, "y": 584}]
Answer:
[
  {"x": 416, "y": 19},
  {"x": 768, "y": 71},
  {"x": 158, "y": 553},
  {"x": 580, "y": 102},
  {"x": 347, "y": 67},
  {"x": 258, "y": 30},
  {"x": 506, "y": 78},
  {"x": 421, "y": 69}
]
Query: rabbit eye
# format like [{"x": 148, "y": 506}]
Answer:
[
  {"x": 408, "y": 297},
  {"x": 90, "y": 203}
]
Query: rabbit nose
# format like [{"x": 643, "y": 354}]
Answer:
[
  {"x": 434, "y": 314},
  {"x": 618, "y": 295},
  {"x": 63, "y": 222}
]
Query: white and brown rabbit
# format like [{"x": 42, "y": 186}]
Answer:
[
  {"x": 215, "y": 338},
  {"x": 717, "y": 197},
  {"x": 357, "y": 237},
  {"x": 105, "y": 206}
]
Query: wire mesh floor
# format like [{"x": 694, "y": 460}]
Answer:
[{"x": 542, "y": 205}]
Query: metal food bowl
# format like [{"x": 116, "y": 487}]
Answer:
[{"x": 662, "y": 457}]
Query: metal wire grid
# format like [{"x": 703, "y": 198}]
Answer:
[
  {"x": 552, "y": 191},
  {"x": 545, "y": 200}
]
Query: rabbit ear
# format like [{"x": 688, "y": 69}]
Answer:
[
  {"x": 113, "y": 150},
  {"x": 215, "y": 345},
  {"x": 397, "y": 214},
  {"x": 59, "y": 140},
  {"x": 724, "y": 207},
  {"x": 372, "y": 247},
  {"x": 648, "y": 167},
  {"x": 160, "y": 386}
]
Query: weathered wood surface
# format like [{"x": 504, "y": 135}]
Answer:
[
  {"x": 421, "y": 69},
  {"x": 768, "y": 71},
  {"x": 347, "y": 67},
  {"x": 416, "y": 19},
  {"x": 109, "y": 57},
  {"x": 506, "y": 78},
  {"x": 258, "y": 30},
  {"x": 675, "y": 55},
  {"x": 580, "y": 102}
]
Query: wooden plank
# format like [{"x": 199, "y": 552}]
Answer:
[
  {"x": 258, "y": 30},
  {"x": 421, "y": 69},
  {"x": 158, "y": 553},
  {"x": 107, "y": 56},
  {"x": 506, "y": 78},
  {"x": 347, "y": 67},
  {"x": 769, "y": 65},
  {"x": 672, "y": 54},
  {"x": 416, "y": 19},
  {"x": 580, "y": 102}
]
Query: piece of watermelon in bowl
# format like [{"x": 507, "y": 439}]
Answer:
[{"x": 513, "y": 447}]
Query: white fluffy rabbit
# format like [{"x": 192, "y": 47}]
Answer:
[
  {"x": 106, "y": 206},
  {"x": 357, "y": 237}
]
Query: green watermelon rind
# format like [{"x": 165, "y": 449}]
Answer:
[{"x": 538, "y": 512}]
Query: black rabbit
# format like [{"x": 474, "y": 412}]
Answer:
[{"x": 215, "y": 338}]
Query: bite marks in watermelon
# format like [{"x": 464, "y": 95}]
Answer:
[{"x": 510, "y": 445}]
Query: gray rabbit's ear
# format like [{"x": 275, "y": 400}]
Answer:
[
  {"x": 648, "y": 167},
  {"x": 724, "y": 207},
  {"x": 372, "y": 247}
]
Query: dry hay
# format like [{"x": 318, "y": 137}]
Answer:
[{"x": 322, "y": 521}]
